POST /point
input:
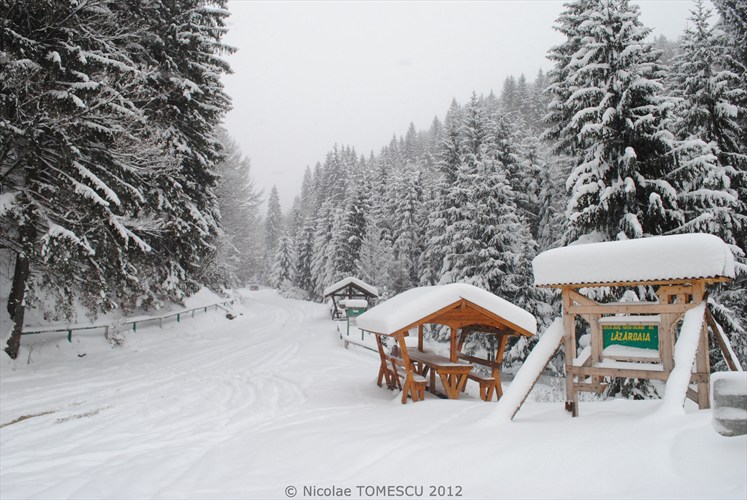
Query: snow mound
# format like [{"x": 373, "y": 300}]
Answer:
[{"x": 683, "y": 256}]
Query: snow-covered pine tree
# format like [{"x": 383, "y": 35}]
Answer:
[
  {"x": 538, "y": 102},
  {"x": 710, "y": 158},
  {"x": 608, "y": 113},
  {"x": 304, "y": 249},
  {"x": 441, "y": 213},
  {"x": 180, "y": 91},
  {"x": 478, "y": 240},
  {"x": 283, "y": 271},
  {"x": 375, "y": 259},
  {"x": 72, "y": 168},
  {"x": 407, "y": 210},
  {"x": 238, "y": 250},
  {"x": 706, "y": 123},
  {"x": 508, "y": 100},
  {"x": 323, "y": 228},
  {"x": 273, "y": 228}
]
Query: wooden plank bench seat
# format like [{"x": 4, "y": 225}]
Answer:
[
  {"x": 488, "y": 383},
  {"x": 411, "y": 383}
]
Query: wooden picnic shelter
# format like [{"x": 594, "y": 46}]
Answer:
[
  {"x": 349, "y": 288},
  {"x": 465, "y": 310},
  {"x": 638, "y": 339}
]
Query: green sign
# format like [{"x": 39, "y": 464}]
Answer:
[
  {"x": 352, "y": 312},
  {"x": 641, "y": 336}
]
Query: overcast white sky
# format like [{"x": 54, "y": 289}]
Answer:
[{"x": 310, "y": 74}]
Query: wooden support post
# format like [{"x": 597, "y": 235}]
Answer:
[
  {"x": 702, "y": 365},
  {"x": 569, "y": 344},
  {"x": 453, "y": 344},
  {"x": 597, "y": 344},
  {"x": 666, "y": 326},
  {"x": 496, "y": 372},
  {"x": 420, "y": 338},
  {"x": 384, "y": 374}
]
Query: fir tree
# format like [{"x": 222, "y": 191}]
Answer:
[
  {"x": 273, "y": 225},
  {"x": 283, "y": 267},
  {"x": 609, "y": 114},
  {"x": 238, "y": 250}
]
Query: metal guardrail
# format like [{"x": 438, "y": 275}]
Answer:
[{"x": 134, "y": 322}]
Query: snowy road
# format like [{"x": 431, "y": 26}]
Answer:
[{"x": 214, "y": 408}]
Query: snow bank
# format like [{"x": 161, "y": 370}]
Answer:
[
  {"x": 684, "y": 357},
  {"x": 350, "y": 280},
  {"x": 530, "y": 371},
  {"x": 657, "y": 258},
  {"x": 408, "y": 307}
]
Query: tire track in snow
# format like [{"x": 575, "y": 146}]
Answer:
[{"x": 175, "y": 406}]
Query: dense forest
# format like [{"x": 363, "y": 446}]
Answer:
[
  {"x": 627, "y": 136},
  {"x": 119, "y": 189}
]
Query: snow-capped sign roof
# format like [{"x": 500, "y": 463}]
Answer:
[
  {"x": 351, "y": 281},
  {"x": 354, "y": 303},
  {"x": 409, "y": 307},
  {"x": 659, "y": 258}
]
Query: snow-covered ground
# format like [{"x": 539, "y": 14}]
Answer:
[{"x": 247, "y": 408}]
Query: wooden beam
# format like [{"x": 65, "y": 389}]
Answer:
[
  {"x": 582, "y": 299},
  {"x": 665, "y": 290},
  {"x": 589, "y": 371},
  {"x": 631, "y": 308},
  {"x": 718, "y": 335}
]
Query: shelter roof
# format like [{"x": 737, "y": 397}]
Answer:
[
  {"x": 355, "y": 283},
  {"x": 655, "y": 259},
  {"x": 412, "y": 307}
]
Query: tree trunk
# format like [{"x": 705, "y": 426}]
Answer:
[{"x": 16, "y": 303}]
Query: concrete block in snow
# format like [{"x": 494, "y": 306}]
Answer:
[{"x": 729, "y": 393}]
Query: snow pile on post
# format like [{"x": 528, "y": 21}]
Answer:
[
  {"x": 684, "y": 357},
  {"x": 681, "y": 256},
  {"x": 729, "y": 403},
  {"x": 530, "y": 371},
  {"x": 348, "y": 281},
  {"x": 408, "y": 307}
]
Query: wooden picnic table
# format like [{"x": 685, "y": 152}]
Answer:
[{"x": 453, "y": 375}]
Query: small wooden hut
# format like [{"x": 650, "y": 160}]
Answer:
[
  {"x": 464, "y": 309},
  {"x": 349, "y": 288},
  {"x": 637, "y": 339}
]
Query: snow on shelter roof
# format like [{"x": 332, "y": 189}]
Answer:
[
  {"x": 659, "y": 258},
  {"x": 351, "y": 281},
  {"x": 409, "y": 307}
]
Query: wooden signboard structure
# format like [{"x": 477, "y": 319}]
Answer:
[
  {"x": 636, "y": 339},
  {"x": 349, "y": 288}
]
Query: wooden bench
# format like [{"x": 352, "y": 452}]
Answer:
[
  {"x": 488, "y": 384},
  {"x": 412, "y": 384}
]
